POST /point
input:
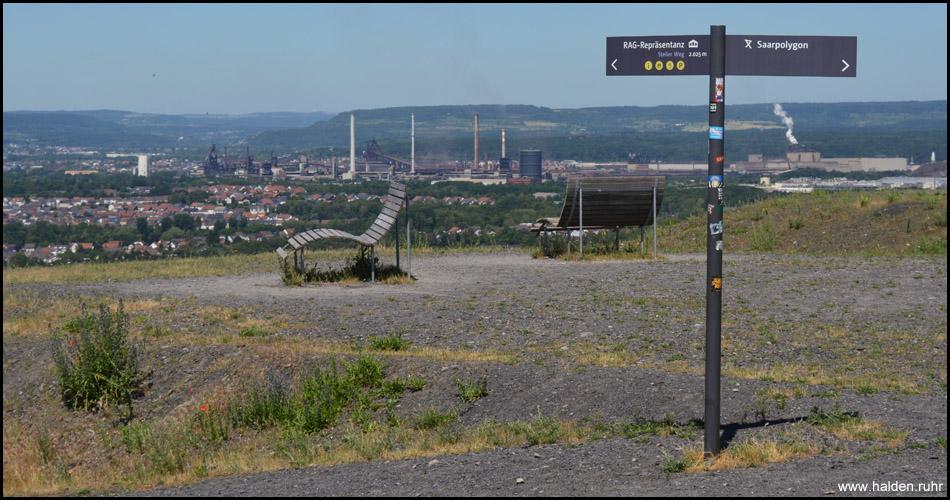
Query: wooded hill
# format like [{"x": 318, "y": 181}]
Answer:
[
  {"x": 534, "y": 121},
  {"x": 909, "y": 129}
]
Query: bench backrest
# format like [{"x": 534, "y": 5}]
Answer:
[
  {"x": 611, "y": 201},
  {"x": 395, "y": 199}
]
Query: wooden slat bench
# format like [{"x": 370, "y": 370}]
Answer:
[{"x": 606, "y": 203}]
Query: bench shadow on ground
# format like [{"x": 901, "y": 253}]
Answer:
[{"x": 729, "y": 431}]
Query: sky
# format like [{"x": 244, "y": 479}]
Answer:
[{"x": 246, "y": 58}]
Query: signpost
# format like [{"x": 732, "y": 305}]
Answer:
[
  {"x": 755, "y": 55},
  {"x": 750, "y": 55}
]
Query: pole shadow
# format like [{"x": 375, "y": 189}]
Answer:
[{"x": 729, "y": 431}]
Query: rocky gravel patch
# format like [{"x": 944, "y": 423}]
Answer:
[{"x": 605, "y": 341}]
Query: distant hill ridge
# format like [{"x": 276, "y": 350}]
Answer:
[
  {"x": 287, "y": 131},
  {"x": 433, "y": 121},
  {"x": 114, "y": 128}
]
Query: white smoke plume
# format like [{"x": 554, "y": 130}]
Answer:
[{"x": 787, "y": 120}]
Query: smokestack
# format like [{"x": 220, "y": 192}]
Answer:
[
  {"x": 475, "y": 166},
  {"x": 413, "y": 144},
  {"x": 352, "y": 144},
  {"x": 503, "y": 143}
]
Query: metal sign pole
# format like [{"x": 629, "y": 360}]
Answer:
[
  {"x": 757, "y": 55},
  {"x": 714, "y": 205}
]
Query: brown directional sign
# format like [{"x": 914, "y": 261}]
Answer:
[
  {"x": 658, "y": 55},
  {"x": 754, "y": 55},
  {"x": 791, "y": 55}
]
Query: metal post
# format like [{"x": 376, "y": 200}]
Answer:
[
  {"x": 714, "y": 204},
  {"x": 396, "y": 227},
  {"x": 655, "y": 181},
  {"x": 372, "y": 263},
  {"x": 581, "y": 194},
  {"x": 408, "y": 238}
]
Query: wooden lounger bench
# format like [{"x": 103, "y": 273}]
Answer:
[{"x": 395, "y": 199}]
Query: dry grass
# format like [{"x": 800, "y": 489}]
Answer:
[
  {"x": 92, "y": 272},
  {"x": 754, "y": 451},
  {"x": 37, "y": 315},
  {"x": 885, "y": 222}
]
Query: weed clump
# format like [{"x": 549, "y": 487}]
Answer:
[
  {"x": 360, "y": 268},
  {"x": 471, "y": 390},
  {"x": 391, "y": 342},
  {"x": 97, "y": 362}
]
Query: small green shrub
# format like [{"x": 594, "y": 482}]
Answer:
[
  {"x": 430, "y": 418},
  {"x": 98, "y": 363},
  {"x": 254, "y": 331},
  {"x": 835, "y": 418},
  {"x": 289, "y": 274},
  {"x": 391, "y": 342},
  {"x": 210, "y": 425},
  {"x": 763, "y": 237},
  {"x": 165, "y": 448},
  {"x": 360, "y": 268},
  {"x": 414, "y": 383},
  {"x": 325, "y": 395},
  {"x": 543, "y": 430},
  {"x": 471, "y": 390},
  {"x": 672, "y": 465},
  {"x": 925, "y": 247},
  {"x": 266, "y": 403},
  {"x": 367, "y": 371}
]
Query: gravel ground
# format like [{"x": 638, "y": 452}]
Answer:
[{"x": 555, "y": 317}]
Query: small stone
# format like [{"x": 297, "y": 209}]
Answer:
[
  {"x": 519, "y": 480},
  {"x": 432, "y": 462}
]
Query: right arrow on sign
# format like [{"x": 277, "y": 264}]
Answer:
[{"x": 846, "y": 65}]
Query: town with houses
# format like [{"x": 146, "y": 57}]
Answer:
[
  {"x": 227, "y": 204},
  {"x": 261, "y": 204}
]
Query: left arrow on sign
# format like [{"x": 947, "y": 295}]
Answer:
[{"x": 614, "y": 65}]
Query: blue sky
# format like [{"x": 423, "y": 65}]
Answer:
[{"x": 242, "y": 58}]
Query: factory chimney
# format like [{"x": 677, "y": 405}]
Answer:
[
  {"x": 475, "y": 166},
  {"x": 503, "y": 144},
  {"x": 352, "y": 144},
  {"x": 413, "y": 144}
]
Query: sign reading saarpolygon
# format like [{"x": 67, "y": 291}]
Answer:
[
  {"x": 752, "y": 55},
  {"x": 792, "y": 55}
]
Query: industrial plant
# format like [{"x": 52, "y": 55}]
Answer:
[{"x": 371, "y": 162}]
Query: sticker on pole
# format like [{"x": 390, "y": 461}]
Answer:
[
  {"x": 716, "y": 284},
  {"x": 715, "y": 181},
  {"x": 715, "y": 133}
]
